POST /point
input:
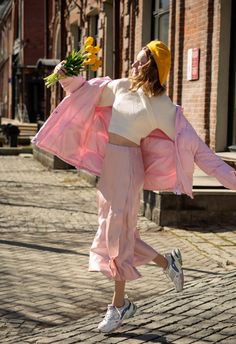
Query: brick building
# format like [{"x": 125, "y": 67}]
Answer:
[
  {"x": 6, "y": 44},
  {"x": 21, "y": 45},
  {"x": 200, "y": 34}
]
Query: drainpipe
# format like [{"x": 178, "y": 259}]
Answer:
[
  {"x": 116, "y": 39},
  {"x": 63, "y": 30},
  {"x": 63, "y": 36},
  {"x": 46, "y": 25},
  {"x": 46, "y": 55}
]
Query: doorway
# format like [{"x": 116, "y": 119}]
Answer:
[{"x": 232, "y": 84}]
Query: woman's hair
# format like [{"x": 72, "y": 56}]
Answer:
[{"x": 147, "y": 78}]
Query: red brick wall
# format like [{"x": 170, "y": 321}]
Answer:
[
  {"x": 196, "y": 25},
  {"x": 193, "y": 24},
  {"x": 214, "y": 73},
  {"x": 195, "y": 96},
  {"x": 33, "y": 31}
]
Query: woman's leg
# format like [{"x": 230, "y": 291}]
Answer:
[
  {"x": 118, "y": 299},
  {"x": 161, "y": 261}
]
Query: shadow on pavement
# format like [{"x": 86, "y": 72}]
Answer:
[
  {"x": 41, "y": 248},
  {"x": 152, "y": 337}
]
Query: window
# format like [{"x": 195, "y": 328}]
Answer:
[
  {"x": 93, "y": 25},
  {"x": 76, "y": 36},
  {"x": 160, "y": 20}
]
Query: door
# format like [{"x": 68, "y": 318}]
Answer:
[{"x": 232, "y": 84}]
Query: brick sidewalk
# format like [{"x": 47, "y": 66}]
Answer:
[
  {"x": 204, "y": 313},
  {"x": 47, "y": 222}
]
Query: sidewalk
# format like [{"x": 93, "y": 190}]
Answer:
[
  {"x": 203, "y": 313},
  {"x": 47, "y": 222}
]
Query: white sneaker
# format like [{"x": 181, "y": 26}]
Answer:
[
  {"x": 115, "y": 316},
  {"x": 177, "y": 255},
  {"x": 174, "y": 269}
]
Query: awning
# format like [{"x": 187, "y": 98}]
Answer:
[{"x": 46, "y": 63}]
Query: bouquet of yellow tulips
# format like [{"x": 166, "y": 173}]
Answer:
[{"x": 78, "y": 61}]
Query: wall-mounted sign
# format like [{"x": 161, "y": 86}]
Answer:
[{"x": 193, "y": 64}]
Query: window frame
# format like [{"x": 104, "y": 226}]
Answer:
[{"x": 157, "y": 13}]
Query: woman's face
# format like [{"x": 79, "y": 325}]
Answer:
[{"x": 141, "y": 59}]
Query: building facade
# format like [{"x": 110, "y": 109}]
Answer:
[
  {"x": 21, "y": 45},
  {"x": 201, "y": 37},
  {"x": 6, "y": 45}
]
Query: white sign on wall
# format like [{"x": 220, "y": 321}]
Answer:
[{"x": 193, "y": 64}]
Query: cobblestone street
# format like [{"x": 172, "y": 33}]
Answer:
[{"x": 47, "y": 222}]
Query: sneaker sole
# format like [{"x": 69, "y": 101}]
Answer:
[
  {"x": 179, "y": 289},
  {"x": 111, "y": 331}
]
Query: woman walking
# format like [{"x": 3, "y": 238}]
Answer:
[{"x": 129, "y": 133}]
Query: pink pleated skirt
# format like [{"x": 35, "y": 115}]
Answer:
[{"x": 117, "y": 248}]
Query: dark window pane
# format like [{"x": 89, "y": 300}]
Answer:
[
  {"x": 156, "y": 28},
  {"x": 160, "y": 21},
  {"x": 163, "y": 27},
  {"x": 164, "y": 4}
]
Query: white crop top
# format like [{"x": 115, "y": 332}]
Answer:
[{"x": 135, "y": 116}]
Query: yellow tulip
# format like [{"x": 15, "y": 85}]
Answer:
[
  {"x": 90, "y": 56},
  {"x": 96, "y": 65},
  {"x": 89, "y": 61},
  {"x": 96, "y": 49},
  {"x": 94, "y": 69},
  {"x": 89, "y": 40},
  {"x": 93, "y": 61},
  {"x": 89, "y": 48}
]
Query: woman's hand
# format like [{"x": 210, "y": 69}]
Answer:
[{"x": 59, "y": 69}]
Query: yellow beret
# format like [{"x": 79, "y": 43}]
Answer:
[{"x": 161, "y": 55}]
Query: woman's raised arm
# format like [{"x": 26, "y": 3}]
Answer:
[{"x": 70, "y": 84}]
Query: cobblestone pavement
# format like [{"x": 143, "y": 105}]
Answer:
[
  {"x": 47, "y": 222},
  {"x": 204, "y": 313}
]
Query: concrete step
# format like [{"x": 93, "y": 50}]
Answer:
[
  {"x": 26, "y": 129},
  {"x": 15, "y": 150},
  {"x": 50, "y": 160},
  {"x": 209, "y": 207}
]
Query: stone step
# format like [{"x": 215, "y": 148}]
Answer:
[
  {"x": 209, "y": 207},
  {"x": 50, "y": 160},
  {"x": 15, "y": 150}
]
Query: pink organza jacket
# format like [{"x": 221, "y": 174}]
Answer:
[{"x": 77, "y": 132}]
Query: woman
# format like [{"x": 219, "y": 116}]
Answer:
[
  {"x": 122, "y": 179},
  {"x": 132, "y": 135}
]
